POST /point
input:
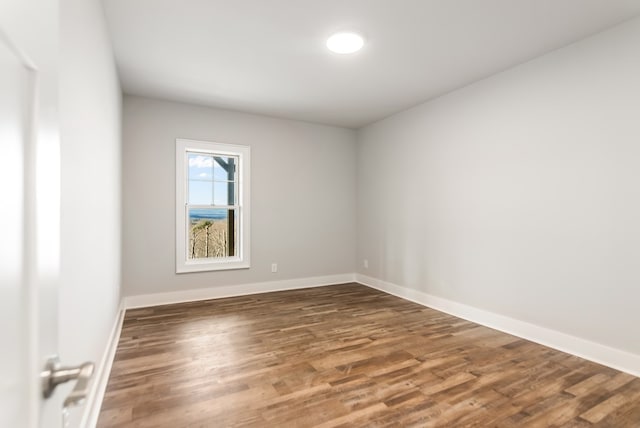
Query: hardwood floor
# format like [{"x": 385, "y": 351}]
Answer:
[{"x": 347, "y": 356}]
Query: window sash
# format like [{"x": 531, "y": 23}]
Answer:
[
  {"x": 236, "y": 239},
  {"x": 211, "y": 183}
]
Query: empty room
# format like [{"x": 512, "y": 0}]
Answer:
[{"x": 306, "y": 213}]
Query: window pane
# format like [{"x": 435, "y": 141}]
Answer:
[
  {"x": 212, "y": 233},
  {"x": 200, "y": 192},
  {"x": 223, "y": 193},
  {"x": 200, "y": 166},
  {"x": 224, "y": 168}
]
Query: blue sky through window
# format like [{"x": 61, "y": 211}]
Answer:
[{"x": 208, "y": 180}]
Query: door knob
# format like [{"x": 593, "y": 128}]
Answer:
[{"x": 55, "y": 374}]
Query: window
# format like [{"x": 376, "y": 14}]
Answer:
[{"x": 212, "y": 206}]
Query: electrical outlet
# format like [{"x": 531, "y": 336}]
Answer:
[
  {"x": 274, "y": 267},
  {"x": 365, "y": 262}
]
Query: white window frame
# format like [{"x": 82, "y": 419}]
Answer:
[{"x": 242, "y": 258}]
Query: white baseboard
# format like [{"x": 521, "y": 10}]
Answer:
[
  {"x": 156, "y": 299},
  {"x": 596, "y": 352},
  {"x": 101, "y": 376}
]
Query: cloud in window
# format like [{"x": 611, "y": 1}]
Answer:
[{"x": 200, "y": 161}]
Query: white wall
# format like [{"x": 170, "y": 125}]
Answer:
[
  {"x": 519, "y": 194},
  {"x": 90, "y": 113},
  {"x": 302, "y": 189}
]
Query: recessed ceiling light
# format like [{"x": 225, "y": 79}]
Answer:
[{"x": 345, "y": 43}]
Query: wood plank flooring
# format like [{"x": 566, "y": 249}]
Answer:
[{"x": 347, "y": 356}]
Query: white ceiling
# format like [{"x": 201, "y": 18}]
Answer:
[{"x": 269, "y": 56}]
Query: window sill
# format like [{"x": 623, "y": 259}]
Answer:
[{"x": 207, "y": 265}]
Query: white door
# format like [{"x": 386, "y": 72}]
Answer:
[
  {"x": 16, "y": 83},
  {"x": 29, "y": 210}
]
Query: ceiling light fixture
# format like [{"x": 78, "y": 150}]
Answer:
[{"x": 345, "y": 43}]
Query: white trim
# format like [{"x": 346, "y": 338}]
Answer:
[
  {"x": 99, "y": 386},
  {"x": 156, "y": 299},
  {"x": 592, "y": 351},
  {"x": 242, "y": 207}
]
